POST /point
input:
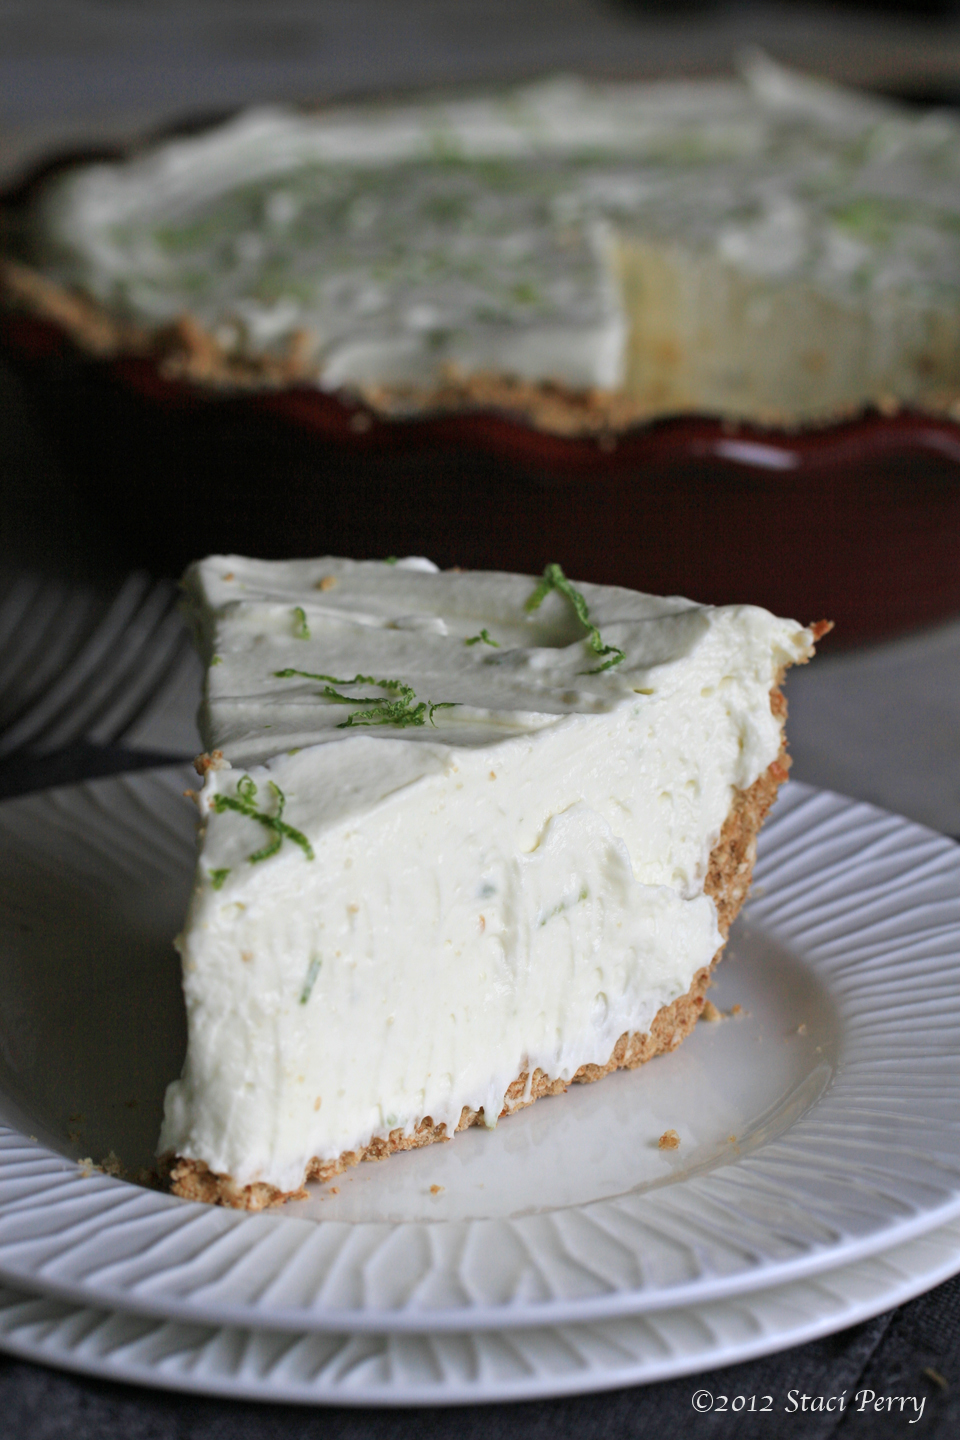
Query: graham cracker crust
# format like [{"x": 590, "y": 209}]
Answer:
[
  {"x": 727, "y": 883},
  {"x": 185, "y": 351}
]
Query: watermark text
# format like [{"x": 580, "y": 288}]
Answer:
[{"x": 799, "y": 1402}]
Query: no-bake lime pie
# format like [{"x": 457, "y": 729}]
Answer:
[
  {"x": 589, "y": 254},
  {"x": 465, "y": 838}
]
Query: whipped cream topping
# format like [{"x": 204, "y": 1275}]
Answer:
[
  {"x": 398, "y": 245},
  {"x": 394, "y": 920}
]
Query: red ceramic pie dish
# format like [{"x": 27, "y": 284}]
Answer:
[{"x": 858, "y": 521}]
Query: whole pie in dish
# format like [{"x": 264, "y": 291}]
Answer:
[
  {"x": 585, "y": 254},
  {"x": 466, "y": 838}
]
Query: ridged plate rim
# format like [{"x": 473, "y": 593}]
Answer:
[
  {"x": 470, "y": 1368},
  {"x": 871, "y": 902}
]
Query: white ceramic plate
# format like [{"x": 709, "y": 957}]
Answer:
[
  {"x": 480, "y": 1366},
  {"x": 820, "y": 1127}
]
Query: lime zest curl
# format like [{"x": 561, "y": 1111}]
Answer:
[{"x": 553, "y": 578}]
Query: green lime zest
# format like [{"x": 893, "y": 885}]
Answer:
[
  {"x": 483, "y": 638},
  {"x": 553, "y": 578},
  {"x": 381, "y": 709},
  {"x": 217, "y": 877},
  {"x": 313, "y": 970},
  {"x": 243, "y": 804},
  {"x": 301, "y": 630}
]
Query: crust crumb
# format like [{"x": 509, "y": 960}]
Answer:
[
  {"x": 669, "y": 1140},
  {"x": 300, "y": 352},
  {"x": 111, "y": 1164},
  {"x": 710, "y": 1012},
  {"x": 327, "y": 583},
  {"x": 213, "y": 761}
]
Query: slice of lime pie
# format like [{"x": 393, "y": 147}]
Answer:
[{"x": 466, "y": 838}]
